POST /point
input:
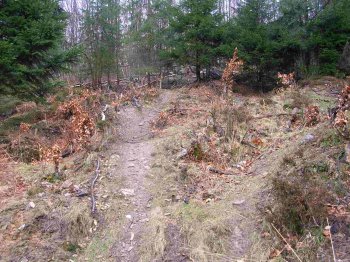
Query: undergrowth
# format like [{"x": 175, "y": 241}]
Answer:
[{"x": 309, "y": 185}]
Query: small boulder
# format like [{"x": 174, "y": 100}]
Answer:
[
  {"x": 182, "y": 153},
  {"x": 127, "y": 192},
  {"x": 238, "y": 202},
  {"x": 308, "y": 138},
  {"x": 66, "y": 184},
  {"x": 186, "y": 200},
  {"x": 23, "y": 226}
]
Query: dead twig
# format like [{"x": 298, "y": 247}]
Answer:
[
  {"x": 248, "y": 144},
  {"x": 286, "y": 242},
  {"x": 246, "y": 132},
  {"x": 221, "y": 172},
  {"x": 330, "y": 236},
  {"x": 271, "y": 115},
  {"x": 93, "y": 200}
]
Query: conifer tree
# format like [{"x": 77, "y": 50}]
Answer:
[
  {"x": 194, "y": 34},
  {"x": 31, "y": 34}
]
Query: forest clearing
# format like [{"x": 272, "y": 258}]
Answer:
[{"x": 191, "y": 130}]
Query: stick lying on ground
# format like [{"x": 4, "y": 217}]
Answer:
[
  {"x": 93, "y": 200},
  {"x": 286, "y": 243},
  {"x": 330, "y": 236},
  {"x": 221, "y": 172}
]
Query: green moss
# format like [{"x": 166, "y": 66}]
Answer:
[
  {"x": 318, "y": 234},
  {"x": 287, "y": 106},
  {"x": 101, "y": 124},
  {"x": 71, "y": 247},
  {"x": 198, "y": 152},
  {"x": 331, "y": 139},
  {"x": 52, "y": 178},
  {"x": 317, "y": 168}
]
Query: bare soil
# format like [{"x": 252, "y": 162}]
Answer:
[{"x": 135, "y": 150}]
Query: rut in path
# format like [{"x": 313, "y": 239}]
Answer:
[{"x": 135, "y": 151}]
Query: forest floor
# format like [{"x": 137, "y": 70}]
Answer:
[
  {"x": 164, "y": 210},
  {"x": 188, "y": 176}
]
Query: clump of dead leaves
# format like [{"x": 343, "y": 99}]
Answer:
[
  {"x": 79, "y": 121},
  {"x": 312, "y": 115},
  {"x": 233, "y": 68},
  {"x": 342, "y": 113},
  {"x": 74, "y": 125},
  {"x": 287, "y": 80}
]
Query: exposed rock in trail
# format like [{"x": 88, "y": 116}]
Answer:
[{"x": 128, "y": 192}]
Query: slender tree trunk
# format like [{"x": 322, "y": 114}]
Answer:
[
  {"x": 198, "y": 68},
  {"x": 198, "y": 72},
  {"x": 149, "y": 80}
]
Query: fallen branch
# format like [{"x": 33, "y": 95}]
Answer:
[
  {"x": 248, "y": 144},
  {"x": 93, "y": 200},
  {"x": 330, "y": 236},
  {"x": 286, "y": 242},
  {"x": 220, "y": 172}
]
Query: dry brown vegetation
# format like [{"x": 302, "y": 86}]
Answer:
[
  {"x": 47, "y": 163},
  {"x": 250, "y": 138}
]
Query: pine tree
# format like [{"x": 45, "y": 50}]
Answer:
[
  {"x": 328, "y": 34},
  {"x": 251, "y": 36},
  {"x": 194, "y": 34},
  {"x": 31, "y": 33}
]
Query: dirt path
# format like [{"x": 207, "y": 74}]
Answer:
[
  {"x": 142, "y": 183},
  {"x": 135, "y": 150}
]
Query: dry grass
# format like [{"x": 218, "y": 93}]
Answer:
[
  {"x": 206, "y": 223},
  {"x": 206, "y": 233},
  {"x": 300, "y": 190},
  {"x": 154, "y": 239},
  {"x": 305, "y": 181},
  {"x": 77, "y": 222}
]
